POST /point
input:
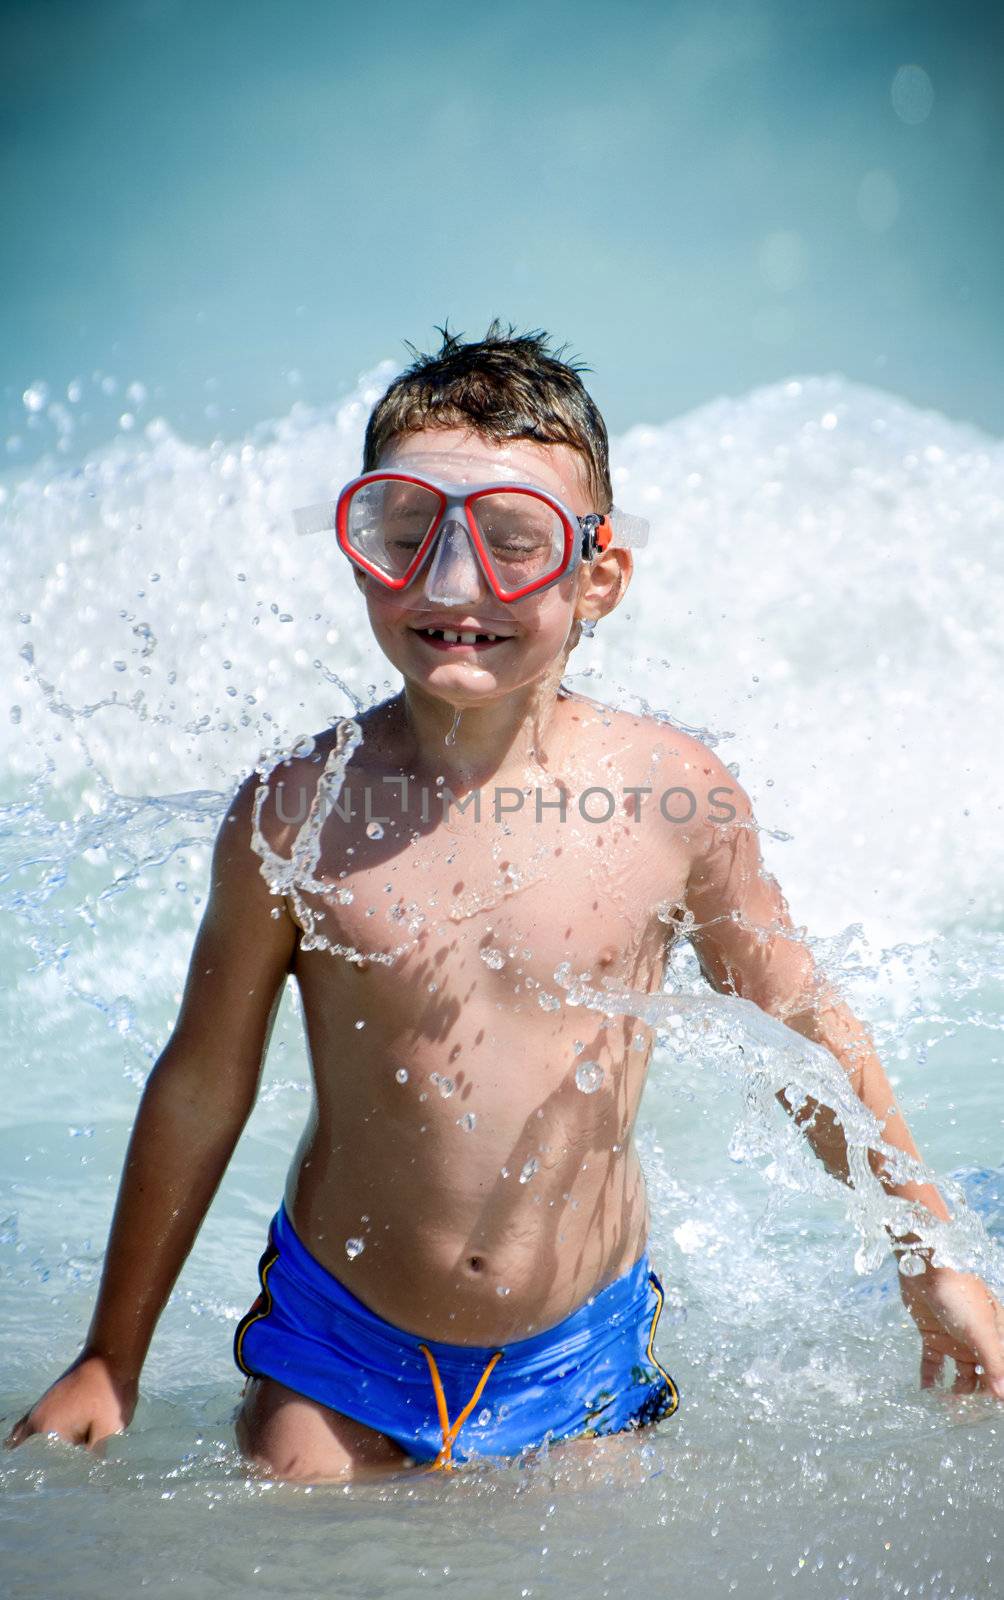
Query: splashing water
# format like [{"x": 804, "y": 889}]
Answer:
[
  {"x": 831, "y": 573},
  {"x": 764, "y": 1057}
]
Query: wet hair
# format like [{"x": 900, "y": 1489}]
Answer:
[{"x": 507, "y": 385}]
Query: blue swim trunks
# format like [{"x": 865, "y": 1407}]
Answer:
[{"x": 594, "y": 1373}]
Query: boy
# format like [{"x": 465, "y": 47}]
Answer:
[{"x": 459, "y": 1266}]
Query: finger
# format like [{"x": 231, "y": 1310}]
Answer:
[
  {"x": 932, "y": 1362},
  {"x": 992, "y": 1382},
  {"x": 72, "y": 1433},
  {"x": 18, "y": 1433},
  {"x": 988, "y": 1353},
  {"x": 965, "y": 1378}
]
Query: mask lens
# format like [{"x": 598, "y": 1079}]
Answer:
[
  {"x": 387, "y": 522},
  {"x": 525, "y": 536}
]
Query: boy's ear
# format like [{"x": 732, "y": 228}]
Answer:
[{"x": 604, "y": 583}]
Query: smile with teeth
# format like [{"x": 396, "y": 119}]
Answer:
[{"x": 448, "y": 636}]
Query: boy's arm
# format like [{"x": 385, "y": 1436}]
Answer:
[
  {"x": 747, "y": 945},
  {"x": 195, "y": 1104}
]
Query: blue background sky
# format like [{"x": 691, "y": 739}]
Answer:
[{"x": 241, "y": 203}]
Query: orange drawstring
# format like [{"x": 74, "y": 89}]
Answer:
[
  {"x": 674, "y": 1395},
  {"x": 444, "y": 1460}
]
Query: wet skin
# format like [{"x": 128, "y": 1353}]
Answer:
[{"x": 477, "y": 921}]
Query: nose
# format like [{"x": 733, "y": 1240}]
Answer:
[{"x": 453, "y": 577}]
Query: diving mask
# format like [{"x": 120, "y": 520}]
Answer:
[{"x": 388, "y": 522}]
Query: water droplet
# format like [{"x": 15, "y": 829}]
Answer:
[
  {"x": 548, "y": 1002},
  {"x": 529, "y": 1168},
  {"x": 354, "y": 1247},
  {"x": 467, "y": 1121},
  {"x": 588, "y": 1076},
  {"x": 493, "y": 958},
  {"x": 374, "y": 830},
  {"x": 451, "y": 737},
  {"x": 401, "y": 1074},
  {"x": 360, "y": 1024},
  {"x": 638, "y": 1042},
  {"x": 912, "y": 1266},
  {"x": 445, "y": 1086},
  {"x": 502, "y": 1289},
  {"x": 35, "y": 396},
  {"x": 143, "y": 631},
  {"x": 484, "y": 1417},
  {"x": 577, "y": 1047}
]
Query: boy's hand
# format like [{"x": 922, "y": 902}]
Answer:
[
  {"x": 84, "y": 1406},
  {"x": 958, "y": 1317}
]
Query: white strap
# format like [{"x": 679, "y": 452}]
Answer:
[
  {"x": 315, "y": 519},
  {"x": 626, "y": 529}
]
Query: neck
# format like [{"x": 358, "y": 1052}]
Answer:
[{"x": 469, "y": 746}]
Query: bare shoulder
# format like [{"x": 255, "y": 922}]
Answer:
[
  {"x": 682, "y": 777},
  {"x": 286, "y": 785}
]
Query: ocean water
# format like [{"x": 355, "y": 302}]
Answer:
[{"x": 821, "y": 600}]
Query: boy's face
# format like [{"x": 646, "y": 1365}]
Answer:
[{"x": 532, "y": 633}]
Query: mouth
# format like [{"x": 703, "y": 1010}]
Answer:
[{"x": 461, "y": 639}]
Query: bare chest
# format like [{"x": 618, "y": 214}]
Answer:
[{"x": 508, "y": 909}]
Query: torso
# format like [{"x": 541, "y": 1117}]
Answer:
[{"x": 493, "y": 1201}]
